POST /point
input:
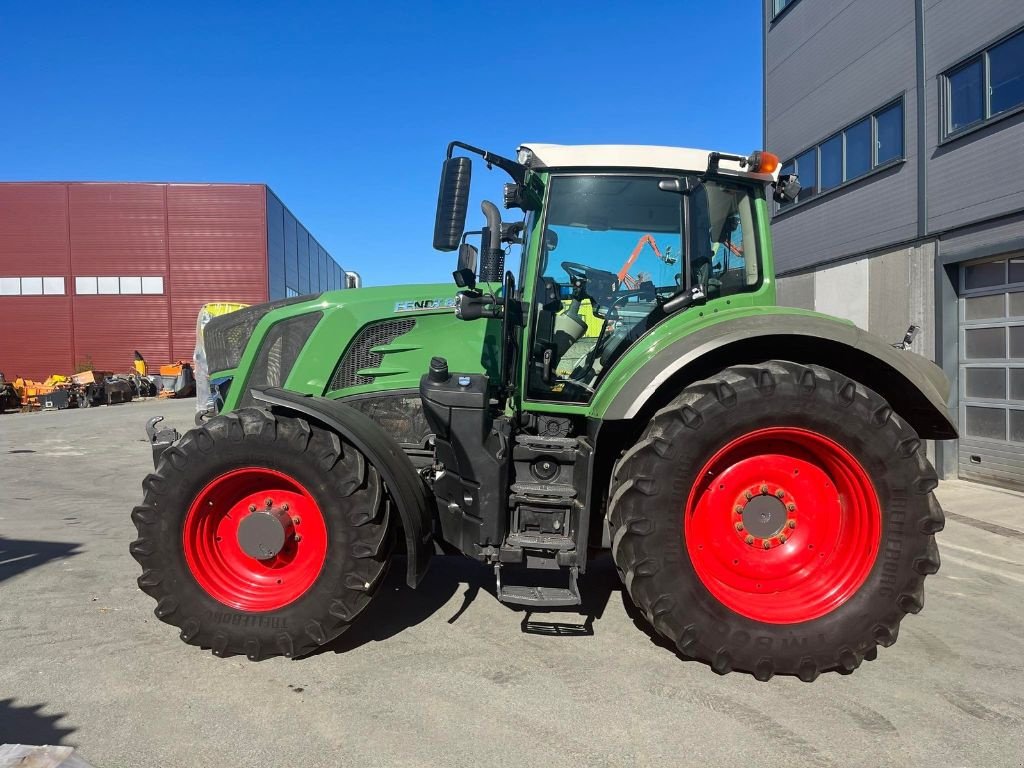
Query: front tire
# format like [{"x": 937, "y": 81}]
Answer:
[
  {"x": 243, "y": 576},
  {"x": 776, "y": 519}
]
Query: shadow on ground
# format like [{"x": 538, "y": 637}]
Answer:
[
  {"x": 398, "y": 607},
  {"x": 20, "y": 555},
  {"x": 27, "y": 725}
]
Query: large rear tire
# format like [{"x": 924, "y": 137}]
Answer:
[
  {"x": 776, "y": 519},
  {"x": 261, "y": 535}
]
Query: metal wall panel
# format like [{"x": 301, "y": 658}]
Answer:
[
  {"x": 36, "y": 336},
  {"x": 275, "y": 247},
  {"x": 291, "y": 254},
  {"x": 35, "y": 331},
  {"x": 109, "y": 330},
  {"x": 985, "y": 239},
  {"x": 117, "y": 229},
  {"x": 33, "y": 229},
  {"x": 302, "y": 248},
  {"x": 826, "y": 66},
  {"x": 323, "y": 268},
  {"x": 217, "y": 237},
  {"x": 981, "y": 174}
]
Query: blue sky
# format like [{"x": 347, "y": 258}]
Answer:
[{"x": 345, "y": 109}]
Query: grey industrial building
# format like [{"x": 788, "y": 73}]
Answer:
[{"x": 905, "y": 122}]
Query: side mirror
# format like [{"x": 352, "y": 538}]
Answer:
[
  {"x": 786, "y": 188},
  {"x": 465, "y": 272},
  {"x": 452, "y": 203}
]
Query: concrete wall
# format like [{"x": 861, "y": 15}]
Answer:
[
  {"x": 795, "y": 290},
  {"x": 883, "y": 294}
]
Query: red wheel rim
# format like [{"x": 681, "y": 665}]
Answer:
[
  {"x": 783, "y": 525},
  {"x": 223, "y": 568}
]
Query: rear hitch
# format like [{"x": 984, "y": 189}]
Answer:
[{"x": 159, "y": 439}]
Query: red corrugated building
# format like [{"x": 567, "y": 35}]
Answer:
[{"x": 91, "y": 272}]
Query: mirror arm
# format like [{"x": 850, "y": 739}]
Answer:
[{"x": 516, "y": 170}]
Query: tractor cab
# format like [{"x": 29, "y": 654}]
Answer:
[{"x": 615, "y": 239}]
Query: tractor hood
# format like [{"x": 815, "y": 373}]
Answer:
[{"x": 343, "y": 343}]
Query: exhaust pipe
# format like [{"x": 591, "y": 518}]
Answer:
[{"x": 492, "y": 255}]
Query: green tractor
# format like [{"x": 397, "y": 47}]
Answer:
[{"x": 756, "y": 471}]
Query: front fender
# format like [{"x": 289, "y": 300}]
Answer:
[
  {"x": 914, "y": 386},
  {"x": 403, "y": 483}
]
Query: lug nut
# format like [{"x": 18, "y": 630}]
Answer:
[
  {"x": 298, "y": 537},
  {"x": 780, "y": 493},
  {"x": 767, "y": 544},
  {"x": 739, "y": 510},
  {"x": 791, "y": 523},
  {"x": 296, "y": 521},
  {"x": 782, "y": 538},
  {"x": 749, "y": 495},
  {"x": 252, "y": 507},
  {"x": 764, "y": 489},
  {"x": 791, "y": 507},
  {"x": 739, "y": 526},
  {"x": 268, "y": 502},
  {"x": 749, "y": 539}
]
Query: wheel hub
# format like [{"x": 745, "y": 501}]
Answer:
[
  {"x": 262, "y": 534},
  {"x": 766, "y": 515}
]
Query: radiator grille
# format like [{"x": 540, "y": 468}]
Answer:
[
  {"x": 359, "y": 356},
  {"x": 226, "y": 337},
  {"x": 278, "y": 352}
]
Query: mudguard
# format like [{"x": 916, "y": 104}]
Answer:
[
  {"x": 917, "y": 388},
  {"x": 404, "y": 485}
]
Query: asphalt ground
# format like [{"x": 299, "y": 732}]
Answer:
[{"x": 447, "y": 676}]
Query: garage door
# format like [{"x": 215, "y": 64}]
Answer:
[{"x": 992, "y": 371}]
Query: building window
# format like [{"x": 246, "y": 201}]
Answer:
[
  {"x": 778, "y": 6},
  {"x": 831, "y": 163},
  {"x": 31, "y": 286},
  {"x": 966, "y": 103},
  {"x": 889, "y": 134},
  {"x": 108, "y": 285},
  {"x": 986, "y": 86},
  {"x": 858, "y": 149},
  {"x": 855, "y": 151},
  {"x": 152, "y": 285}
]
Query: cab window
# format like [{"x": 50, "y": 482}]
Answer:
[{"x": 612, "y": 254}]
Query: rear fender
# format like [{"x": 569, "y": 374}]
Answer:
[
  {"x": 916, "y": 388},
  {"x": 404, "y": 485}
]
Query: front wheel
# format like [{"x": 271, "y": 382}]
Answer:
[
  {"x": 261, "y": 535},
  {"x": 776, "y": 518}
]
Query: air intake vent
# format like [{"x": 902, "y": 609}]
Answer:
[
  {"x": 279, "y": 350},
  {"x": 358, "y": 355}
]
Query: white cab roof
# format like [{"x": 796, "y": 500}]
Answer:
[{"x": 563, "y": 156}]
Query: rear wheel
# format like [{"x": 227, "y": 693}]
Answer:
[
  {"x": 776, "y": 519},
  {"x": 261, "y": 535}
]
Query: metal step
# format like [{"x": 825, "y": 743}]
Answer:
[
  {"x": 538, "y": 597},
  {"x": 537, "y": 540},
  {"x": 543, "y": 491}
]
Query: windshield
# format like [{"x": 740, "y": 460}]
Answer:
[{"x": 613, "y": 253}]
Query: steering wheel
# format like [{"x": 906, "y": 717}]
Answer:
[{"x": 598, "y": 285}]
